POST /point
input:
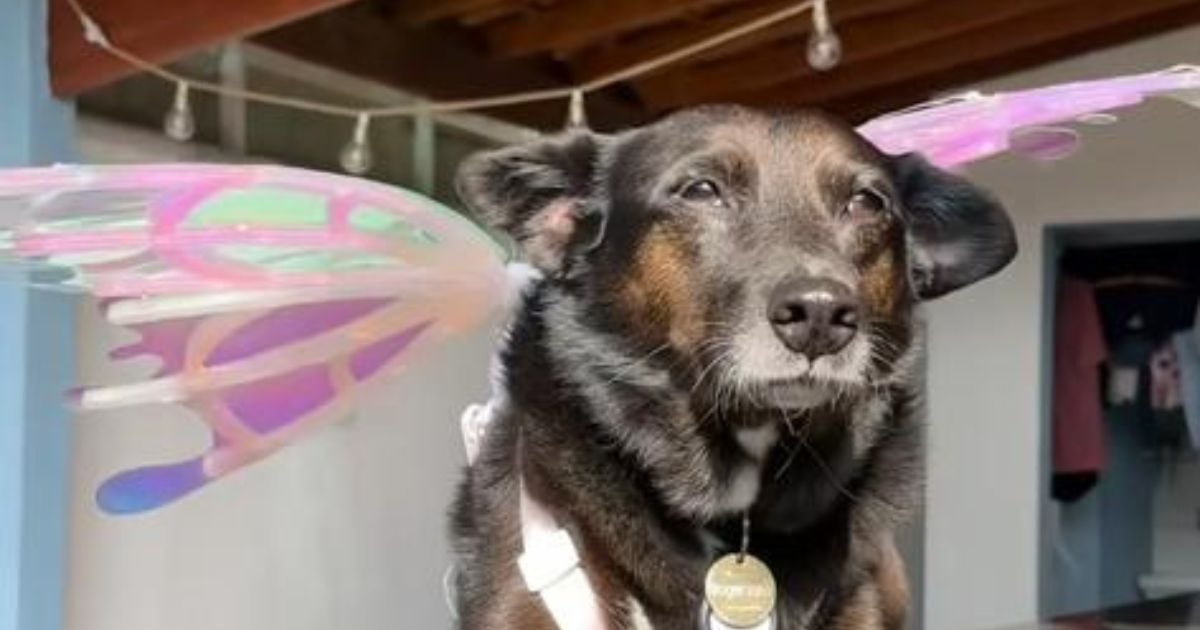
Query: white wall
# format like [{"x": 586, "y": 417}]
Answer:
[
  {"x": 102, "y": 141},
  {"x": 343, "y": 530},
  {"x": 982, "y": 537}
]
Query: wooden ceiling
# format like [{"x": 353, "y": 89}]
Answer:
[{"x": 896, "y": 52}]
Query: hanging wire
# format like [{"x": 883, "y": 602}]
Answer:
[{"x": 94, "y": 34}]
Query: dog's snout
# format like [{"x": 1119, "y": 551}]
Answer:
[{"x": 813, "y": 317}]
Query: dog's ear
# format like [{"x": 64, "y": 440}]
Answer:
[
  {"x": 538, "y": 193},
  {"x": 958, "y": 233}
]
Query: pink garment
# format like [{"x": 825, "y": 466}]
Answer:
[
  {"x": 1165, "y": 393},
  {"x": 1079, "y": 350}
]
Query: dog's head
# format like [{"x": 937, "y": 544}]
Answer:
[{"x": 778, "y": 258}]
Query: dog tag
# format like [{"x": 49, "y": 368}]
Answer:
[{"x": 740, "y": 590}]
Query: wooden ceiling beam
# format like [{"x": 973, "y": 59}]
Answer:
[
  {"x": 481, "y": 17},
  {"x": 973, "y": 56},
  {"x": 157, "y": 31},
  {"x": 842, "y": 11},
  {"x": 862, "y": 106},
  {"x": 419, "y": 12},
  {"x": 570, "y": 26},
  {"x": 598, "y": 62},
  {"x": 593, "y": 62},
  {"x": 436, "y": 61},
  {"x": 862, "y": 41}
]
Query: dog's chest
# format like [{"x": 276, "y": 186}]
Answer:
[{"x": 741, "y": 488}]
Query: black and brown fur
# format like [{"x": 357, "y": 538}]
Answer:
[{"x": 646, "y": 408}]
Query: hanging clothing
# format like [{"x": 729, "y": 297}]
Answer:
[
  {"x": 1122, "y": 385},
  {"x": 1138, "y": 319},
  {"x": 1140, "y": 314},
  {"x": 1069, "y": 487},
  {"x": 1164, "y": 379},
  {"x": 1078, "y": 423},
  {"x": 1187, "y": 349}
]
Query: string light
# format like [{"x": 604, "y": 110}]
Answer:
[
  {"x": 824, "y": 51},
  {"x": 356, "y": 156},
  {"x": 824, "y": 46},
  {"x": 179, "y": 123}
]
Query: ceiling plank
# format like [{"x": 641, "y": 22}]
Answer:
[
  {"x": 419, "y": 12},
  {"x": 481, "y": 17},
  {"x": 973, "y": 56},
  {"x": 596, "y": 61},
  {"x": 436, "y": 61},
  {"x": 592, "y": 63},
  {"x": 570, "y": 26},
  {"x": 862, "y": 106},
  {"x": 862, "y": 41},
  {"x": 155, "y": 32},
  {"x": 841, "y": 12}
]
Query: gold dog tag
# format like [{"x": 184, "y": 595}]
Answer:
[{"x": 740, "y": 590}]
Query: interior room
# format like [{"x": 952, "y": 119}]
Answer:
[
  {"x": 1124, "y": 484},
  {"x": 1059, "y": 399}
]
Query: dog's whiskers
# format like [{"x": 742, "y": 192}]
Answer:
[
  {"x": 802, "y": 442},
  {"x": 636, "y": 363},
  {"x": 827, "y": 471}
]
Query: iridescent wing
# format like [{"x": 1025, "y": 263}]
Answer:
[
  {"x": 962, "y": 129},
  {"x": 189, "y": 229},
  {"x": 271, "y": 297}
]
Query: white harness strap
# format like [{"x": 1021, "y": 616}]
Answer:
[
  {"x": 549, "y": 562},
  {"x": 550, "y": 566}
]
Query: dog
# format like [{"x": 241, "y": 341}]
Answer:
[{"x": 725, "y": 343}]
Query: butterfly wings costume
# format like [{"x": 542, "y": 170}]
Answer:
[{"x": 272, "y": 297}]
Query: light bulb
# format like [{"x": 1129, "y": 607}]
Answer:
[
  {"x": 576, "y": 112},
  {"x": 824, "y": 50},
  {"x": 824, "y": 46},
  {"x": 179, "y": 123},
  {"x": 356, "y": 155},
  {"x": 356, "y": 158}
]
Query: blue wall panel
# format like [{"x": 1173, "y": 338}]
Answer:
[{"x": 37, "y": 335}]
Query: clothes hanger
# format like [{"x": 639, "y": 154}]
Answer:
[{"x": 1144, "y": 280}]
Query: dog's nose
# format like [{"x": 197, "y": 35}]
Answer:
[{"x": 812, "y": 316}]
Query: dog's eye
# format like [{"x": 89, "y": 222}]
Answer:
[
  {"x": 866, "y": 203},
  {"x": 703, "y": 191}
]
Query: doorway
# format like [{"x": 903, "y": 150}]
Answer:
[{"x": 1120, "y": 482}]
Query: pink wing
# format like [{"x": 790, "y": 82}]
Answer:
[
  {"x": 208, "y": 364},
  {"x": 272, "y": 298},
  {"x": 962, "y": 129}
]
